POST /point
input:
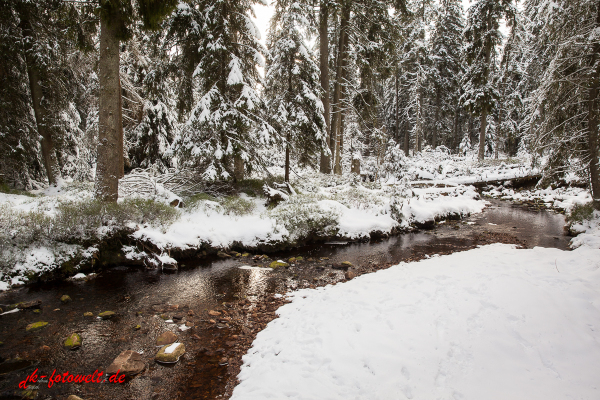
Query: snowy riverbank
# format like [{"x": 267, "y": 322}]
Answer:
[{"x": 495, "y": 323}]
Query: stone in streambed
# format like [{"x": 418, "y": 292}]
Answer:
[
  {"x": 128, "y": 363},
  {"x": 73, "y": 397},
  {"x": 88, "y": 314},
  {"x": 171, "y": 353},
  {"x": 26, "y": 305},
  {"x": 106, "y": 314},
  {"x": 65, "y": 298},
  {"x": 166, "y": 338},
  {"x": 73, "y": 341},
  {"x": 36, "y": 326},
  {"x": 277, "y": 264}
]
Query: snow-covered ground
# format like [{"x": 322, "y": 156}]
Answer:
[
  {"x": 560, "y": 198},
  {"x": 405, "y": 192},
  {"x": 490, "y": 323}
]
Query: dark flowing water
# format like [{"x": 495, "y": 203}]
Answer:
[{"x": 141, "y": 297}]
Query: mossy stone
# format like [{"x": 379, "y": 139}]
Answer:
[
  {"x": 299, "y": 258},
  {"x": 73, "y": 341},
  {"x": 36, "y": 326},
  {"x": 347, "y": 264},
  {"x": 65, "y": 298},
  {"x": 106, "y": 314},
  {"x": 277, "y": 264},
  {"x": 245, "y": 254},
  {"x": 172, "y": 357},
  {"x": 88, "y": 314},
  {"x": 137, "y": 327}
]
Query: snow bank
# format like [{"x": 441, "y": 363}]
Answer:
[
  {"x": 490, "y": 323},
  {"x": 560, "y": 198},
  {"x": 589, "y": 235}
]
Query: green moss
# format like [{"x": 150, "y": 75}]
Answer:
[
  {"x": 277, "y": 264},
  {"x": 65, "y": 298},
  {"x": 73, "y": 341},
  {"x": 106, "y": 314},
  {"x": 36, "y": 326}
]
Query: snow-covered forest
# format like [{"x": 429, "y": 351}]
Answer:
[
  {"x": 188, "y": 85},
  {"x": 138, "y": 118},
  {"x": 237, "y": 167}
]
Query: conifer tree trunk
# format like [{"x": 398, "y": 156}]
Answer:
[
  {"x": 482, "y": 128},
  {"x": 238, "y": 168},
  {"x": 341, "y": 58},
  {"x": 41, "y": 114},
  {"x": 324, "y": 67},
  {"x": 434, "y": 134},
  {"x": 485, "y": 106},
  {"x": 396, "y": 84},
  {"x": 593, "y": 119},
  {"x": 406, "y": 139},
  {"x": 110, "y": 146},
  {"x": 287, "y": 158}
]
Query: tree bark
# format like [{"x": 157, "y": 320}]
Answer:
[
  {"x": 593, "y": 119},
  {"x": 485, "y": 106},
  {"x": 406, "y": 139},
  {"x": 397, "y": 88},
  {"x": 287, "y": 158},
  {"x": 238, "y": 168},
  {"x": 110, "y": 146},
  {"x": 325, "y": 166},
  {"x": 341, "y": 58},
  {"x": 434, "y": 133},
  {"x": 482, "y": 129},
  {"x": 41, "y": 114}
]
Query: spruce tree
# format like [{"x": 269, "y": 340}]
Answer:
[
  {"x": 447, "y": 68},
  {"x": 564, "y": 110},
  {"x": 292, "y": 86},
  {"x": 226, "y": 126},
  {"x": 483, "y": 36}
]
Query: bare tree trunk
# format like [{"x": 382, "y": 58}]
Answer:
[
  {"x": 498, "y": 132},
  {"x": 482, "y": 128},
  {"x": 41, "y": 114},
  {"x": 456, "y": 137},
  {"x": 238, "y": 168},
  {"x": 121, "y": 136},
  {"x": 340, "y": 136},
  {"x": 434, "y": 134},
  {"x": 593, "y": 120},
  {"x": 324, "y": 66},
  {"x": 406, "y": 139},
  {"x": 110, "y": 146},
  {"x": 336, "y": 120},
  {"x": 419, "y": 123},
  {"x": 484, "y": 111},
  {"x": 287, "y": 158},
  {"x": 397, "y": 87}
]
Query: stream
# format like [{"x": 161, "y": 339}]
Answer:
[{"x": 246, "y": 300}]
